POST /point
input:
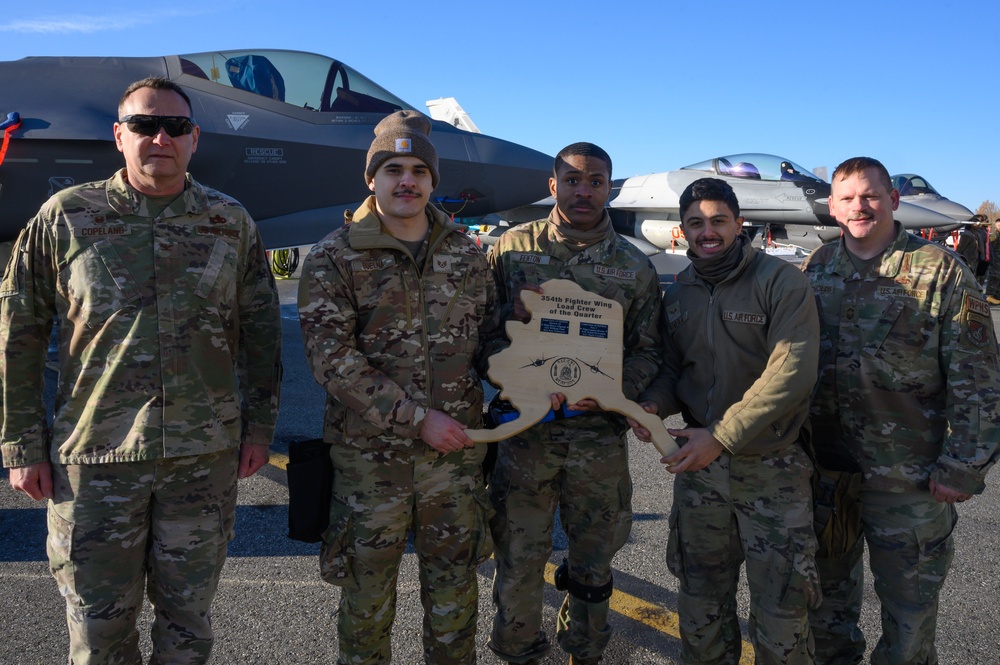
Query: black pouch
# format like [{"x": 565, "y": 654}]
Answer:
[
  {"x": 498, "y": 411},
  {"x": 836, "y": 483},
  {"x": 562, "y": 576},
  {"x": 310, "y": 486}
]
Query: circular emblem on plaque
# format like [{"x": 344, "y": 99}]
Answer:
[{"x": 565, "y": 372}]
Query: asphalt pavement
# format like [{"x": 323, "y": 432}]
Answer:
[{"x": 272, "y": 606}]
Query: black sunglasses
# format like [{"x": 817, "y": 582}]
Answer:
[{"x": 149, "y": 125}]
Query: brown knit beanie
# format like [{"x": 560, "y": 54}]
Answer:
[{"x": 404, "y": 133}]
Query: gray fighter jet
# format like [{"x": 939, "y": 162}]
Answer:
[
  {"x": 787, "y": 201},
  {"x": 284, "y": 132},
  {"x": 916, "y": 190}
]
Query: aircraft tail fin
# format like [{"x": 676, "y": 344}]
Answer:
[{"x": 447, "y": 109}]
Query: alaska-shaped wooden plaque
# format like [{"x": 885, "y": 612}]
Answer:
[{"x": 572, "y": 345}]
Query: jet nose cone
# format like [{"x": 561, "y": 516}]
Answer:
[
  {"x": 916, "y": 217},
  {"x": 490, "y": 174},
  {"x": 956, "y": 211}
]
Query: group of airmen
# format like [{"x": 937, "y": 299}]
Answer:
[
  {"x": 977, "y": 244},
  {"x": 877, "y": 359}
]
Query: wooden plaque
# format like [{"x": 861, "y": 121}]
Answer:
[{"x": 572, "y": 345}]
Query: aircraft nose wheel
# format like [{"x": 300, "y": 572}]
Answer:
[{"x": 284, "y": 262}]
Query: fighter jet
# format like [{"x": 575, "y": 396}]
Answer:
[
  {"x": 916, "y": 190},
  {"x": 786, "y": 200},
  {"x": 284, "y": 132}
]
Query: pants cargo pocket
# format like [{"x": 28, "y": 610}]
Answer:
[
  {"x": 623, "y": 522},
  {"x": 499, "y": 523},
  {"x": 936, "y": 551},
  {"x": 675, "y": 557},
  {"x": 337, "y": 554},
  {"x": 59, "y": 545},
  {"x": 791, "y": 576},
  {"x": 482, "y": 541}
]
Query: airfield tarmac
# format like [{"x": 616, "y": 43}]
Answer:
[{"x": 273, "y": 608}]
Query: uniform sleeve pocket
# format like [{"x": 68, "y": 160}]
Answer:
[{"x": 220, "y": 273}]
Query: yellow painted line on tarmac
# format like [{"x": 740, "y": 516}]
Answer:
[
  {"x": 648, "y": 614},
  {"x": 633, "y": 607}
]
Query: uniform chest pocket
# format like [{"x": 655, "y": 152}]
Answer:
[
  {"x": 897, "y": 345},
  {"x": 98, "y": 285}
]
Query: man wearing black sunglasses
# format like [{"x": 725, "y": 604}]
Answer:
[
  {"x": 169, "y": 343},
  {"x": 157, "y": 137}
]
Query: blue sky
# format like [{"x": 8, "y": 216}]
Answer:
[{"x": 660, "y": 85}]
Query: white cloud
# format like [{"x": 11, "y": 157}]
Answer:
[{"x": 84, "y": 24}]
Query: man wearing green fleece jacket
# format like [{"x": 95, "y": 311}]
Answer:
[{"x": 740, "y": 347}]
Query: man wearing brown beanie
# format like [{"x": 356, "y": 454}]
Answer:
[{"x": 393, "y": 306}]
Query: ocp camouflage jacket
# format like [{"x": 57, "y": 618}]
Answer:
[
  {"x": 389, "y": 339},
  {"x": 170, "y": 335},
  {"x": 612, "y": 268},
  {"x": 909, "y": 379}
]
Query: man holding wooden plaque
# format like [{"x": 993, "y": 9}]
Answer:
[
  {"x": 740, "y": 349},
  {"x": 578, "y": 461}
]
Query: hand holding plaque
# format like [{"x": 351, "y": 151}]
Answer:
[{"x": 572, "y": 345}]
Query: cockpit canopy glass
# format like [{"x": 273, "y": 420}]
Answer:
[
  {"x": 755, "y": 166},
  {"x": 305, "y": 80},
  {"x": 909, "y": 184}
]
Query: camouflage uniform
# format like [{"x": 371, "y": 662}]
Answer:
[
  {"x": 970, "y": 247},
  {"x": 993, "y": 274},
  {"x": 155, "y": 385},
  {"x": 580, "y": 463},
  {"x": 908, "y": 385},
  {"x": 740, "y": 359},
  {"x": 390, "y": 336}
]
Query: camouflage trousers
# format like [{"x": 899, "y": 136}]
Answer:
[
  {"x": 113, "y": 527},
  {"x": 379, "y": 498},
  {"x": 910, "y": 549},
  {"x": 755, "y": 509},
  {"x": 993, "y": 279},
  {"x": 581, "y": 465}
]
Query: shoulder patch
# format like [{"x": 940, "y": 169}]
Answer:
[
  {"x": 976, "y": 305},
  {"x": 11, "y": 283},
  {"x": 976, "y": 330},
  {"x": 977, "y": 323}
]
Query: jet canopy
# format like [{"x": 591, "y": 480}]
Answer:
[
  {"x": 910, "y": 184},
  {"x": 304, "y": 80},
  {"x": 755, "y": 166}
]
